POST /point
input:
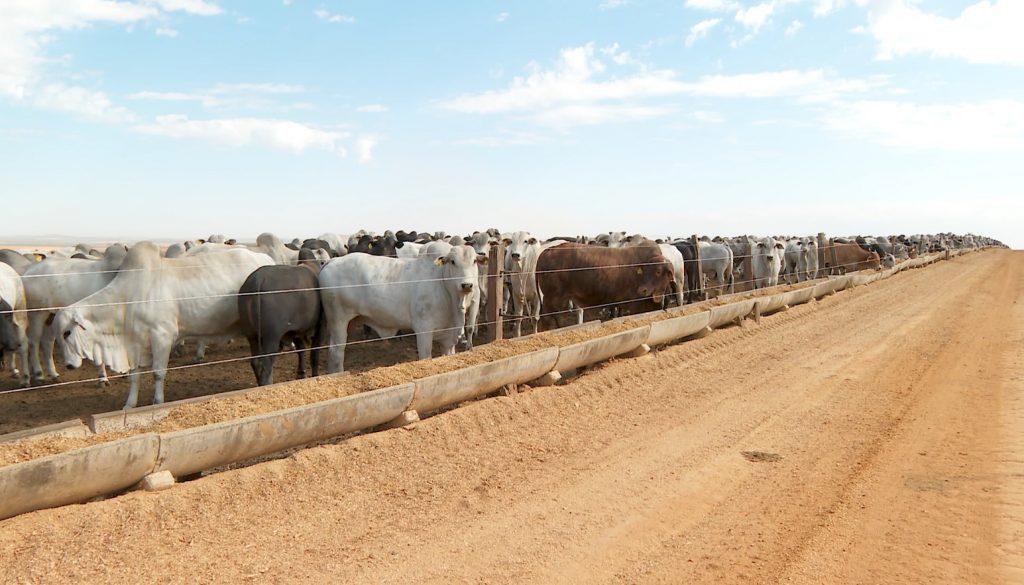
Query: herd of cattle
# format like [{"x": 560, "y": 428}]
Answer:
[{"x": 128, "y": 308}]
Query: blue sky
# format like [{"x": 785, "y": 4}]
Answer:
[{"x": 179, "y": 118}]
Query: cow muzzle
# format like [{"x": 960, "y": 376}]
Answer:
[{"x": 466, "y": 287}]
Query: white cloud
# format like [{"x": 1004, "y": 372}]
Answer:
[
  {"x": 708, "y": 117},
  {"x": 87, "y": 103},
  {"x": 612, "y": 4},
  {"x": 198, "y": 7},
  {"x": 502, "y": 17},
  {"x": 328, "y": 17},
  {"x": 579, "y": 89},
  {"x": 793, "y": 28},
  {"x": 826, "y": 7},
  {"x": 756, "y": 16},
  {"x": 701, "y": 30},
  {"x": 278, "y": 134},
  {"x": 364, "y": 147},
  {"x": 166, "y": 31},
  {"x": 590, "y": 114},
  {"x": 227, "y": 95},
  {"x": 984, "y": 32},
  {"x": 713, "y": 5},
  {"x": 992, "y": 126},
  {"x": 372, "y": 108}
]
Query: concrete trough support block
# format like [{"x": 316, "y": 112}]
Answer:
[
  {"x": 453, "y": 387},
  {"x": 405, "y": 419},
  {"x": 193, "y": 450},
  {"x": 726, "y": 314},
  {"x": 597, "y": 350},
  {"x": 700, "y": 334},
  {"x": 643, "y": 350},
  {"x": 671, "y": 330},
  {"x": 70, "y": 429},
  {"x": 549, "y": 379},
  {"x": 157, "y": 482},
  {"x": 76, "y": 476}
]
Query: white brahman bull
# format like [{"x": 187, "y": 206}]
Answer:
[
  {"x": 55, "y": 283},
  {"x": 13, "y": 322},
  {"x": 152, "y": 302},
  {"x": 767, "y": 262},
  {"x": 429, "y": 294},
  {"x": 521, "y": 254},
  {"x": 716, "y": 261}
]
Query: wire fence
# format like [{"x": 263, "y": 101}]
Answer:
[{"x": 718, "y": 286}]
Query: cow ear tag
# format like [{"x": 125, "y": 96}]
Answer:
[
  {"x": 639, "y": 270},
  {"x": 439, "y": 261}
]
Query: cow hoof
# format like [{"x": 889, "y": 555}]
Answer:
[{"x": 103, "y": 383}]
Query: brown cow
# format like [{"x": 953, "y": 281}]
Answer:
[
  {"x": 634, "y": 279},
  {"x": 851, "y": 258}
]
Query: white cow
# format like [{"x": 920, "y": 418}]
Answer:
[
  {"x": 336, "y": 241},
  {"x": 716, "y": 261},
  {"x": 767, "y": 262},
  {"x": 55, "y": 283},
  {"x": 809, "y": 259},
  {"x": 611, "y": 239},
  {"x": 521, "y": 254},
  {"x": 409, "y": 249},
  {"x": 675, "y": 257},
  {"x": 272, "y": 246},
  {"x": 429, "y": 294},
  {"x": 14, "y": 321},
  {"x": 152, "y": 302}
]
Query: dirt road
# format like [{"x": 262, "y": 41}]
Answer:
[{"x": 876, "y": 436}]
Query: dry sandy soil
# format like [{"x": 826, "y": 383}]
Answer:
[{"x": 872, "y": 437}]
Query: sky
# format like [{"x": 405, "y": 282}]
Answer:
[{"x": 181, "y": 118}]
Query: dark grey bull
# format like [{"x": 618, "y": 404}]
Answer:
[{"x": 278, "y": 305}]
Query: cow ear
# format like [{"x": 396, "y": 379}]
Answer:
[
  {"x": 508, "y": 241},
  {"x": 440, "y": 261},
  {"x": 779, "y": 245},
  {"x": 481, "y": 259},
  {"x": 531, "y": 241},
  {"x": 760, "y": 244}
]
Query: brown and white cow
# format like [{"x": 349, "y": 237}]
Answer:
[
  {"x": 634, "y": 279},
  {"x": 851, "y": 258}
]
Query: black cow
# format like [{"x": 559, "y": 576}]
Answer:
[{"x": 278, "y": 305}]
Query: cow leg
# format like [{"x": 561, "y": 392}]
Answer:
[
  {"x": 49, "y": 338},
  {"x": 254, "y": 360},
  {"x": 35, "y": 334},
  {"x": 336, "y": 352},
  {"x": 300, "y": 350},
  {"x": 133, "y": 388},
  {"x": 102, "y": 371},
  {"x": 161, "y": 355},
  {"x": 23, "y": 377},
  {"x": 424, "y": 343},
  {"x": 200, "y": 352}
]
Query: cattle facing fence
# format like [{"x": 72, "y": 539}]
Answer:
[{"x": 153, "y": 460}]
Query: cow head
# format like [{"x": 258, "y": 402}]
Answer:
[
  {"x": 518, "y": 245},
  {"x": 74, "y": 332},
  {"x": 654, "y": 278},
  {"x": 460, "y": 271}
]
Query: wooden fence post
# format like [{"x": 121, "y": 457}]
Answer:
[
  {"x": 702, "y": 291},
  {"x": 748, "y": 267},
  {"x": 823, "y": 262},
  {"x": 495, "y": 291}
]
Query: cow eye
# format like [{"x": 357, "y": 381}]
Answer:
[{"x": 67, "y": 334}]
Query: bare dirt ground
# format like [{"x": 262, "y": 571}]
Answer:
[{"x": 873, "y": 437}]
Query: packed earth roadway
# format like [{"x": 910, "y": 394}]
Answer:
[{"x": 874, "y": 436}]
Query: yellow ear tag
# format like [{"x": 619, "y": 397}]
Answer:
[
  {"x": 639, "y": 270},
  {"x": 439, "y": 261}
]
